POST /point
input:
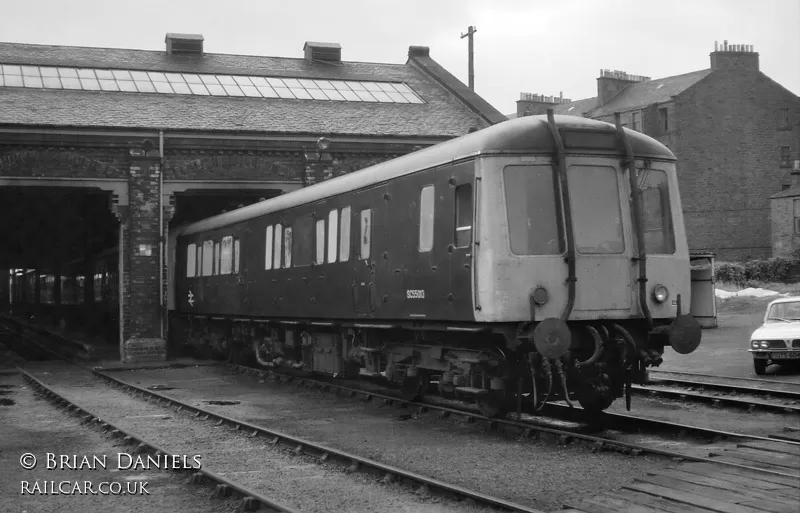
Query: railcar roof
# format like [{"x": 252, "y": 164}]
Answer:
[{"x": 528, "y": 134}]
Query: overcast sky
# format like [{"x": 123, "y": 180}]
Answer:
[{"x": 521, "y": 45}]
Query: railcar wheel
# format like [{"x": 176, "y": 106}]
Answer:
[
  {"x": 414, "y": 386},
  {"x": 492, "y": 403},
  {"x": 760, "y": 366},
  {"x": 596, "y": 404}
]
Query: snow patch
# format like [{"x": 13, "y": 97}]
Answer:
[{"x": 748, "y": 292}]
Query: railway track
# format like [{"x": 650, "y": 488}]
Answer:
[
  {"x": 250, "y": 500},
  {"x": 580, "y": 431},
  {"x": 746, "y": 461}
]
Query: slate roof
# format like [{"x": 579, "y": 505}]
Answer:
[
  {"x": 576, "y": 108},
  {"x": 642, "y": 94},
  {"x": 634, "y": 96},
  {"x": 449, "y": 109}
]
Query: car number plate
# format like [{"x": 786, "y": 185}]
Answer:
[{"x": 789, "y": 354}]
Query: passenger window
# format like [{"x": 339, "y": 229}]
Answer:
[
  {"x": 276, "y": 253},
  {"x": 287, "y": 247},
  {"x": 235, "y": 256},
  {"x": 532, "y": 210},
  {"x": 659, "y": 237},
  {"x": 208, "y": 257},
  {"x": 596, "y": 215},
  {"x": 366, "y": 233},
  {"x": 344, "y": 235},
  {"x": 268, "y": 250},
  {"x": 426, "y": 199},
  {"x": 463, "y": 235},
  {"x": 226, "y": 255},
  {"x": 198, "y": 268},
  {"x": 303, "y": 244},
  {"x": 320, "y": 255},
  {"x": 333, "y": 228},
  {"x": 217, "y": 256},
  {"x": 191, "y": 256}
]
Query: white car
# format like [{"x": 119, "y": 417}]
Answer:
[{"x": 778, "y": 339}]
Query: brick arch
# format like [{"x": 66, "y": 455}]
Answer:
[
  {"x": 234, "y": 166},
  {"x": 57, "y": 164}
]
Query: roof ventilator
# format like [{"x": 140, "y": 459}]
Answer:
[
  {"x": 326, "y": 52},
  {"x": 184, "y": 44}
]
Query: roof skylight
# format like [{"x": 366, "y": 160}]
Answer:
[{"x": 85, "y": 79}]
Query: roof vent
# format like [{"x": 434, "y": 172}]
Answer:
[
  {"x": 184, "y": 44},
  {"x": 328, "y": 52}
]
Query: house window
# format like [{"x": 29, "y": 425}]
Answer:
[
  {"x": 786, "y": 156},
  {"x": 663, "y": 119},
  {"x": 344, "y": 235},
  {"x": 635, "y": 121},
  {"x": 191, "y": 255},
  {"x": 796, "y": 215},
  {"x": 268, "y": 250},
  {"x": 320, "y": 255},
  {"x": 426, "y": 198},
  {"x": 463, "y": 235},
  {"x": 333, "y": 229},
  {"x": 783, "y": 119}
]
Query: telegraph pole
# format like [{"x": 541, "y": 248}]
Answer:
[{"x": 470, "y": 32}]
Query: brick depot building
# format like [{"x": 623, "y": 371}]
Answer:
[
  {"x": 110, "y": 147},
  {"x": 735, "y": 131}
]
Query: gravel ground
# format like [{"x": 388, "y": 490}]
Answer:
[
  {"x": 538, "y": 474},
  {"x": 32, "y": 425},
  {"x": 293, "y": 480}
]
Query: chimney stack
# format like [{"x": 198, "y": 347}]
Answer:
[
  {"x": 734, "y": 57},
  {"x": 530, "y": 104},
  {"x": 610, "y": 83}
]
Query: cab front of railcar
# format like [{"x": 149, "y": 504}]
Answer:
[{"x": 591, "y": 253}]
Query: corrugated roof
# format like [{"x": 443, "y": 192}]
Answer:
[
  {"x": 642, "y": 94},
  {"x": 441, "y": 115},
  {"x": 788, "y": 193}
]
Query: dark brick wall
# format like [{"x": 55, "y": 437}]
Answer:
[
  {"x": 68, "y": 162},
  {"x": 728, "y": 142}
]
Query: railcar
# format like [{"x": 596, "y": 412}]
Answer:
[{"x": 541, "y": 258}]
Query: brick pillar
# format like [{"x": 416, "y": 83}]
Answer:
[
  {"x": 168, "y": 206},
  {"x": 141, "y": 333}
]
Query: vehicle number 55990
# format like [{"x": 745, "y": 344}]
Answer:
[{"x": 415, "y": 294}]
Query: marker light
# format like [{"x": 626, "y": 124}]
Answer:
[{"x": 660, "y": 293}]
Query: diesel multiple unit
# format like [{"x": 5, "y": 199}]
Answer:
[{"x": 543, "y": 257}]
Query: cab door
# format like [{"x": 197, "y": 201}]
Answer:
[
  {"x": 366, "y": 232},
  {"x": 603, "y": 241}
]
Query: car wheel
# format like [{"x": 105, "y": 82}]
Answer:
[{"x": 760, "y": 366}]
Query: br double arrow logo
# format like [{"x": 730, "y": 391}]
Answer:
[{"x": 191, "y": 298}]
